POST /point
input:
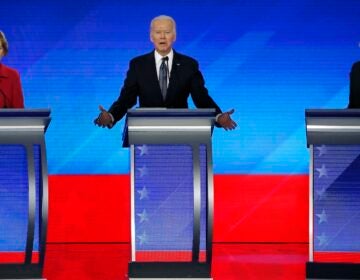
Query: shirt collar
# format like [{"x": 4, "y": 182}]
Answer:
[{"x": 158, "y": 56}]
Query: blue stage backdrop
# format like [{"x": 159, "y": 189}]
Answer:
[{"x": 269, "y": 60}]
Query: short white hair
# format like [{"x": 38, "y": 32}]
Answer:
[{"x": 163, "y": 17}]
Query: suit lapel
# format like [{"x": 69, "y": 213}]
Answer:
[
  {"x": 151, "y": 69},
  {"x": 173, "y": 75}
]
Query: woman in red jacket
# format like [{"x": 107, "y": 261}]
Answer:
[{"x": 11, "y": 95}]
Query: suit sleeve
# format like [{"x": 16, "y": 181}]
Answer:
[
  {"x": 354, "y": 98},
  {"x": 128, "y": 94},
  {"x": 199, "y": 92}
]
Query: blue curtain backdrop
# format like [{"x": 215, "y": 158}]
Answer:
[{"x": 269, "y": 60}]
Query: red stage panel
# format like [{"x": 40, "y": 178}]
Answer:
[
  {"x": 257, "y": 208},
  {"x": 342, "y": 257},
  {"x": 261, "y": 208},
  {"x": 87, "y": 208},
  {"x": 259, "y": 261},
  {"x": 12, "y": 257},
  {"x": 230, "y": 261},
  {"x": 87, "y": 261},
  {"x": 17, "y": 257}
]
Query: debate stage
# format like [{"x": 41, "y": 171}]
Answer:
[
  {"x": 260, "y": 227},
  {"x": 231, "y": 261}
]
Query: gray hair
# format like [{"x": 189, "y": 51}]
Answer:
[{"x": 163, "y": 17}]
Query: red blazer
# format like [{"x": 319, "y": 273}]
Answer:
[{"x": 11, "y": 95}]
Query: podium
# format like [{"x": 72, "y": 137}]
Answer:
[
  {"x": 23, "y": 192},
  {"x": 171, "y": 192},
  {"x": 333, "y": 138}
]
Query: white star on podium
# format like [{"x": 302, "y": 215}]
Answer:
[
  {"x": 321, "y": 193},
  {"x": 143, "y": 171},
  {"x": 322, "y": 150},
  {"x": 143, "y": 238},
  {"x": 322, "y": 217},
  {"x": 323, "y": 239},
  {"x": 143, "y": 150},
  {"x": 322, "y": 171},
  {"x": 143, "y": 216},
  {"x": 143, "y": 193}
]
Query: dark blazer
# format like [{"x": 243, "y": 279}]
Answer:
[
  {"x": 142, "y": 82},
  {"x": 354, "y": 98},
  {"x": 11, "y": 95}
]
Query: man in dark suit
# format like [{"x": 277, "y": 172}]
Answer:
[
  {"x": 354, "y": 98},
  {"x": 163, "y": 78}
]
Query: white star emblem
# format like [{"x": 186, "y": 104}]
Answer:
[
  {"x": 143, "y": 193},
  {"x": 321, "y": 193},
  {"x": 143, "y": 150},
  {"x": 143, "y": 238},
  {"x": 143, "y": 171},
  {"x": 143, "y": 216},
  {"x": 323, "y": 239},
  {"x": 322, "y": 171},
  {"x": 322, "y": 217},
  {"x": 322, "y": 150}
]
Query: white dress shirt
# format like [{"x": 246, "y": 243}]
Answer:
[{"x": 158, "y": 61}]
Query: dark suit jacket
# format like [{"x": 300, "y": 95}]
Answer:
[
  {"x": 11, "y": 95},
  {"x": 354, "y": 98},
  {"x": 142, "y": 82}
]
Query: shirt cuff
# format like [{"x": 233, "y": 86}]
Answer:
[
  {"x": 217, "y": 117},
  {"x": 112, "y": 117},
  {"x": 112, "y": 121}
]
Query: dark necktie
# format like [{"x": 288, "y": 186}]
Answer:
[{"x": 163, "y": 76}]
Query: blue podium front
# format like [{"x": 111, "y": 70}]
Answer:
[
  {"x": 23, "y": 192},
  {"x": 172, "y": 192},
  {"x": 333, "y": 138}
]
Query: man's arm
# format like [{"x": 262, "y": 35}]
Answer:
[
  {"x": 199, "y": 92},
  {"x": 126, "y": 100},
  {"x": 202, "y": 99}
]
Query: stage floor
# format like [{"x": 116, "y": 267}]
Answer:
[{"x": 231, "y": 261}]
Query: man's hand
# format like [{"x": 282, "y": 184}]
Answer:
[
  {"x": 225, "y": 120},
  {"x": 104, "y": 119}
]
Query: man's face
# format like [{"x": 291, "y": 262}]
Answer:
[{"x": 162, "y": 35}]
